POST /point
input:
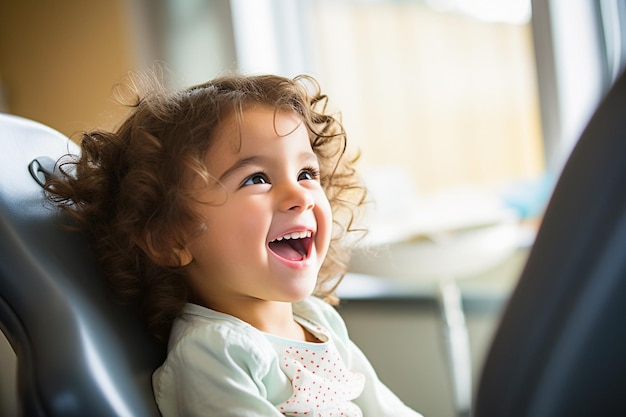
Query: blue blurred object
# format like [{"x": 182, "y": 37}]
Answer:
[{"x": 528, "y": 197}]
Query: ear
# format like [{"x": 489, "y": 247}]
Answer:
[
  {"x": 173, "y": 257},
  {"x": 183, "y": 256}
]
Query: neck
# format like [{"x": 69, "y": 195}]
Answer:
[
  {"x": 270, "y": 317},
  {"x": 273, "y": 317},
  {"x": 284, "y": 325}
]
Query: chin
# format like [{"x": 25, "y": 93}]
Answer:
[{"x": 298, "y": 294}]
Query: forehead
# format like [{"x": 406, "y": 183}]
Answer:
[
  {"x": 239, "y": 130},
  {"x": 258, "y": 136}
]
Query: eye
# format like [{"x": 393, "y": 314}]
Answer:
[
  {"x": 258, "y": 178},
  {"x": 309, "y": 174}
]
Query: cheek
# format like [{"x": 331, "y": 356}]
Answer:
[
  {"x": 324, "y": 217},
  {"x": 243, "y": 225},
  {"x": 327, "y": 212}
]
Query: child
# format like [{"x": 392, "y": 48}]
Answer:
[{"x": 222, "y": 211}]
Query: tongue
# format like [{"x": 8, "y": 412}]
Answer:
[{"x": 285, "y": 249}]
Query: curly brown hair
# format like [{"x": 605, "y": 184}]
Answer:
[{"x": 130, "y": 189}]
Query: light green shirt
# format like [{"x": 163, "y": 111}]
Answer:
[{"x": 218, "y": 365}]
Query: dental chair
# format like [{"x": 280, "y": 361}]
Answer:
[
  {"x": 78, "y": 353},
  {"x": 560, "y": 348}
]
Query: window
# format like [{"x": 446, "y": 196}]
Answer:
[{"x": 439, "y": 95}]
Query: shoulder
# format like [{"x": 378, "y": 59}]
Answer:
[
  {"x": 208, "y": 331},
  {"x": 204, "y": 343},
  {"x": 216, "y": 362}
]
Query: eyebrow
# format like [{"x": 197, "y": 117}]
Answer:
[{"x": 304, "y": 157}]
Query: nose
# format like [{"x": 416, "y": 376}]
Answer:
[{"x": 295, "y": 197}]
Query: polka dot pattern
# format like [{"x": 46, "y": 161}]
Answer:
[{"x": 322, "y": 384}]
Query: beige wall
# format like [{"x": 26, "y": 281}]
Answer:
[
  {"x": 60, "y": 60},
  {"x": 452, "y": 98}
]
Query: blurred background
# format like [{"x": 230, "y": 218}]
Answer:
[{"x": 464, "y": 111}]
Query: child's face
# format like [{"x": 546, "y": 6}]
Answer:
[{"x": 270, "y": 225}]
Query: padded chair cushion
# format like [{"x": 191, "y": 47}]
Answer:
[{"x": 79, "y": 354}]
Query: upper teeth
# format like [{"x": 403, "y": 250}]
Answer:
[{"x": 295, "y": 235}]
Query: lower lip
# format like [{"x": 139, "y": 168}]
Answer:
[{"x": 304, "y": 263}]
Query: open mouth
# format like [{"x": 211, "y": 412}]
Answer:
[{"x": 293, "y": 246}]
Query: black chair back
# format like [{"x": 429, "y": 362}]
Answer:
[{"x": 560, "y": 349}]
